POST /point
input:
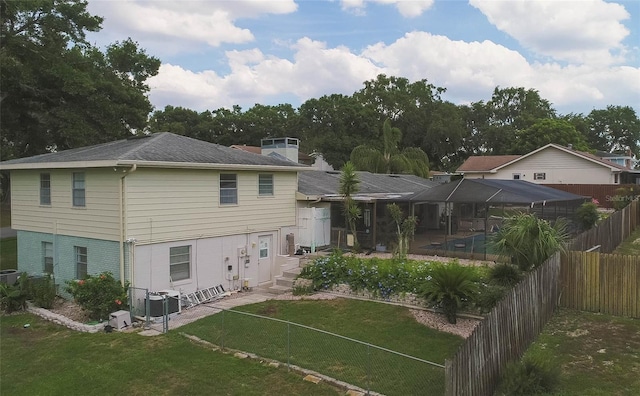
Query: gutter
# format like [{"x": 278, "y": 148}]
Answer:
[{"x": 123, "y": 217}]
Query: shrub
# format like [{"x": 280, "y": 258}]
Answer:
[
  {"x": 587, "y": 215},
  {"x": 43, "y": 291},
  {"x": 505, "y": 274},
  {"x": 529, "y": 377},
  {"x": 488, "y": 296},
  {"x": 451, "y": 286},
  {"x": 99, "y": 294},
  {"x": 14, "y": 297}
]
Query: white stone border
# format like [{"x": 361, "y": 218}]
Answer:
[{"x": 64, "y": 321}]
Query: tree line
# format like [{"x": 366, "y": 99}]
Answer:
[{"x": 58, "y": 92}]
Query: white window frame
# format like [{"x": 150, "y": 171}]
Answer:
[
  {"x": 45, "y": 189},
  {"x": 265, "y": 184},
  {"x": 228, "y": 189},
  {"x": 47, "y": 257},
  {"x": 82, "y": 266},
  {"x": 78, "y": 193},
  {"x": 540, "y": 176},
  {"x": 263, "y": 250},
  {"x": 178, "y": 259}
]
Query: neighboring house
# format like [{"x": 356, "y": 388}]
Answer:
[
  {"x": 441, "y": 177},
  {"x": 320, "y": 207},
  {"x": 626, "y": 158},
  {"x": 287, "y": 148},
  {"x": 161, "y": 211},
  {"x": 551, "y": 164}
]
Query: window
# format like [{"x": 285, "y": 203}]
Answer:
[
  {"x": 47, "y": 254},
  {"x": 265, "y": 184},
  {"x": 516, "y": 176},
  {"x": 539, "y": 176},
  {"x": 78, "y": 189},
  {"x": 180, "y": 263},
  {"x": 81, "y": 262},
  {"x": 264, "y": 248},
  {"x": 228, "y": 189},
  {"x": 45, "y": 189}
]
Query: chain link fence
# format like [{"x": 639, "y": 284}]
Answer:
[{"x": 367, "y": 366}]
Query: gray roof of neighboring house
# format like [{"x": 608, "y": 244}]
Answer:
[
  {"x": 157, "y": 147},
  {"x": 494, "y": 191},
  {"x": 375, "y": 185}
]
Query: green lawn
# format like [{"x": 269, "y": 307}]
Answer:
[
  {"x": 597, "y": 354},
  {"x": 8, "y": 253},
  {"x": 46, "y": 359},
  {"x": 384, "y": 325},
  {"x": 631, "y": 245}
]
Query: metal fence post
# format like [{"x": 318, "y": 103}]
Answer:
[
  {"x": 165, "y": 314},
  {"x": 368, "y": 369},
  {"x": 147, "y": 310},
  {"x": 222, "y": 335},
  {"x": 288, "y": 345}
]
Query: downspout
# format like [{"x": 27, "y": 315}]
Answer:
[{"x": 123, "y": 217}]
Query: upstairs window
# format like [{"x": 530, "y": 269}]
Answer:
[
  {"x": 81, "y": 262},
  {"x": 180, "y": 263},
  {"x": 265, "y": 184},
  {"x": 539, "y": 176},
  {"x": 228, "y": 189},
  {"x": 78, "y": 189},
  {"x": 47, "y": 254},
  {"x": 45, "y": 189}
]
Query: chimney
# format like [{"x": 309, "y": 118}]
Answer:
[
  {"x": 286, "y": 147},
  {"x": 570, "y": 146}
]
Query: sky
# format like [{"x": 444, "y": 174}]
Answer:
[{"x": 579, "y": 54}]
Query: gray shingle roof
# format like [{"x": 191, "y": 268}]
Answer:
[
  {"x": 327, "y": 183},
  {"x": 157, "y": 147}
]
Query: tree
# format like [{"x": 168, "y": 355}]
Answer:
[
  {"x": 60, "y": 92},
  {"x": 528, "y": 241},
  {"x": 547, "y": 131},
  {"x": 405, "y": 228},
  {"x": 390, "y": 160},
  {"x": 511, "y": 110},
  {"x": 615, "y": 128},
  {"x": 350, "y": 185}
]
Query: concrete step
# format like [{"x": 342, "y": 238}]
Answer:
[
  {"x": 278, "y": 289},
  {"x": 283, "y": 281},
  {"x": 291, "y": 273}
]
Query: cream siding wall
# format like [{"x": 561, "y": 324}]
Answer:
[
  {"x": 99, "y": 219},
  {"x": 559, "y": 168},
  {"x": 172, "y": 205}
]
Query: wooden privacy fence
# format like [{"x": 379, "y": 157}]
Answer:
[
  {"x": 605, "y": 283},
  {"x": 611, "y": 232},
  {"x": 604, "y": 193},
  {"x": 505, "y": 333}
]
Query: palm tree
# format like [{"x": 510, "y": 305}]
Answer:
[
  {"x": 349, "y": 185},
  {"x": 450, "y": 285},
  {"x": 528, "y": 241},
  {"x": 411, "y": 160}
]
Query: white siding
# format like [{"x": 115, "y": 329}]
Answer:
[
  {"x": 99, "y": 219},
  {"x": 559, "y": 168},
  {"x": 210, "y": 258},
  {"x": 172, "y": 205}
]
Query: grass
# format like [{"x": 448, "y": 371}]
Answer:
[
  {"x": 8, "y": 253},
  {"x": 597, "y": 354},
  {"x": 46, "y": 359},
  {"x": 631, "y": 245},
  {"x": 384, "y": 325}
]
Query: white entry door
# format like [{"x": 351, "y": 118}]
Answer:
[{"x": 265, "y": 258}]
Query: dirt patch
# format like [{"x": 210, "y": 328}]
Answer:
[{"x": 70, "y": 309}]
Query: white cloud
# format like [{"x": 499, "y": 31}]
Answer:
[
  {"x": 259, "y": 78},
  {"x": 582, "y": 32},
  {"x": 406, "y": 8},
  {"x": 189, "y": 22}
]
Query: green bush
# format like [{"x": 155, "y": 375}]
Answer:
[
  {"x": 14, "y": 297},
  {"x": 99, "y": 294},
  {"x": 505, "y": 274},
  {"x": 587, "y": 215},
  {"x": 451, "y": 286},
  {"x": 42, "y": 291},
  {"x": 529, "y": 377},
  {"x": 489, "y": 296}
]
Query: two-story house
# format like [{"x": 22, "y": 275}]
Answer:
[{"x": 160, "y": 211}]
